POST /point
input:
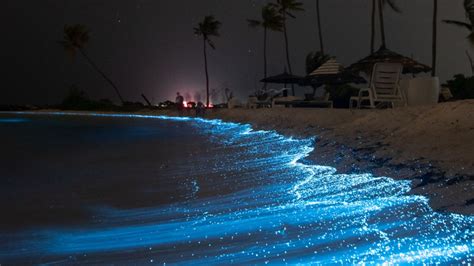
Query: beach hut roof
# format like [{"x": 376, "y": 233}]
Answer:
[
  {"x": 331, "y": 67},
  {"x": 384, "y": 55},
  {"x": 332, "y": 72}
]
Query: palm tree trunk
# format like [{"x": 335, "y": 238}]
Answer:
[
  {"x": 470, "y": 62},
  {"x": 382, "y": 25},
  {"x": 265, "y": 31},
  {"x": 435, "y": 37},
  {"x": 287, "y": 49},
  {"x": 320, "y": 31},
  {"x": 102, "y": 74},
  {"x": 207, "y": 73},
  {"x": 372, "y": 35}
]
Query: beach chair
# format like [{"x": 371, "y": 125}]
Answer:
[
  {"x": 384, "y": 87},
  {"x": 291, "y": 101},
  {"x": 285, "y": 101},
  {"x": 267, "y": 102},
  {"x": 323, "y": 101}
]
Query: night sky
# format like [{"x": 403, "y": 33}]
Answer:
[{"x": 148, "y": 46}]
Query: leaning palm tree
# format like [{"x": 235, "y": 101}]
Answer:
[
  {"x": 271, "y": 20},
  {"x": 286, "y": 7},
  {"x": 209, "y": 27},
  {"x": 75, "y": 39}
]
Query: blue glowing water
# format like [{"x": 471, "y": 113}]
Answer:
[
  {"x": 13, "y": 120},
  {"x": 251, "y": 200}
]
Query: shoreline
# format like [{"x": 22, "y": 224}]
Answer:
[
  {"x": 404, "y": 144},
  {"x": 438, "y": 156}
]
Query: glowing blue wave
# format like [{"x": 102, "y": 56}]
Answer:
[{"x": 286, "y": 212}]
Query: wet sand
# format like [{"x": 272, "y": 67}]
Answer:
[{"x": 432, "y": 145}]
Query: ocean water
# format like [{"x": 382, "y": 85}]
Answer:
[{"x": 122, "y": 189}]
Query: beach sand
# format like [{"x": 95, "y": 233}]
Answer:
[{"x": 431, "y": 145}]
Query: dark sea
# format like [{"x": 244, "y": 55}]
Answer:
[{"x": 134, "y": 189}]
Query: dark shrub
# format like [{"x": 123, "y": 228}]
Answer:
[
  {"x": 461, "y": 87},
  {"x": 77, "y": 99},
  {"x": 341, "y": 94}
]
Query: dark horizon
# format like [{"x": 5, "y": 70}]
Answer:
[{"x": 149, "y": 46}]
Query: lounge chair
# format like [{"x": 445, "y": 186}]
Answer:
[
  {"x": 384, "y": 87},
  {"x": 315, "y": 102},
  {"x": 284, "y": 101},
  {"x": 267, "y": 102}
]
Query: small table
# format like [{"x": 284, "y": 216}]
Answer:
[{"x": 421, "y": 90}]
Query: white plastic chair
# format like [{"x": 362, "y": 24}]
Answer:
[{"x": 384, "y": 87}]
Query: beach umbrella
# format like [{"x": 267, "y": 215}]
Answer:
[
  {"x": 332, "y": 73},
  {"x": 284, "y": 78},
  {"x": 384, "y": 55}
]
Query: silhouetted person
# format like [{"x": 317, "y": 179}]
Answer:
[
  {"x": 179, "y": 103},
  {"x": 200, "y": 109}
]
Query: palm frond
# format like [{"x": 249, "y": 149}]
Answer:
[
  {"x": 392, "y": 5},
  {"x": 209, "y": 27},
  {"x": 290, "y": 15},
  {"x": 273, "y": 5},
  {"x": 254, "y": 23},
  {"x": 271, "y": 18},
  {"x": 471, "y": 38},
  {"x": 459, "y": 24},
  {"x": 285, "y": 6},
  {"x": 197, "y": 31},
  {"x": 75, "y": 38},
  {"x": 211, "y": 44}
]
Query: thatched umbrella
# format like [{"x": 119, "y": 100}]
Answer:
[
  {"x": 284, "y": 78},
  {"x": 332, "y": 73},
  {"x": 384, "y": 55}
]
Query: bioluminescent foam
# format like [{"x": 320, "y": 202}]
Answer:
[{"x": 283, "y": 211}]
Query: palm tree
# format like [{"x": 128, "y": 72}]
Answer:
[
  {"x": 209, "y": 27},
  {"x": 285, "y": 7},
  {"x": 372, "y": 33},
  {"x": 320, "y": 31},
  {"x": 435, "y": 38},
  {"x": 394, "y": 7},
  {"x": 271, "y": 20},
  {"x": 381, "y": 5},
  {"x": 75, "y": 39}
]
